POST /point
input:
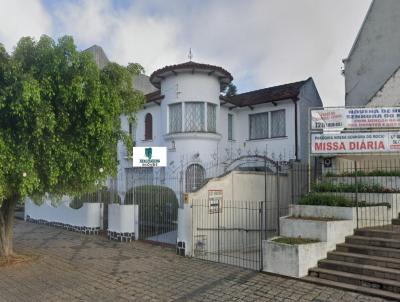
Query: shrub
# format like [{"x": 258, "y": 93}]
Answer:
[
  {"x": 332, "y": 200},
  {"x": 105, "y": 196},
  {"x": 364, "y": 173},
  {"x": 349, "y": 188},
  {"x": 157, "y": 204},
  {"x": 295, "y": 240}
]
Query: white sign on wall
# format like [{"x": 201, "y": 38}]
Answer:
[
  {"x": 361, "y": 142},
  {"x": 149, "y": 156},
  {"x": 336, "y": 119},
  {"x": 215, "y": 201}
]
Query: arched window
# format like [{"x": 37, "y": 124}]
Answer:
[
  {"x": 148, "y": 127},
  {"x": 195, "y": 175}
]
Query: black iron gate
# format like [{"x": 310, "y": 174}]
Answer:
[
  {"x": 158, "y": 202},
  {"x": 229, "y": 232}
]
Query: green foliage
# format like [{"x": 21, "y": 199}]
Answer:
[
  {"x": 230, "y": 90},
  {"x": 332, "y": 200},
  {"x": 156, "y": 203},
  {"x": 364, "y": 173},
  {"x": 295, "y": 240},
  {"x": 60, "y": 118},
  {"x": 349, "y": 188},
  {"x": 105, "y": 196}
]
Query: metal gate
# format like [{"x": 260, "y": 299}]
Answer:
[
  {"x": 158, "y": 202},
  {"x": 229, "y": 232}
]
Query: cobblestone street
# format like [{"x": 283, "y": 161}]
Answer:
[{"x": 74, "y": 267}]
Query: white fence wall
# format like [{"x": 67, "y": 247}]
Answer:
[
  {"x": 86, "y": 216},
  {"x": 123, "y": 222}
]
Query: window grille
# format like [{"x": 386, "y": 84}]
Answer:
[
  {"x": 230, "y": 126},
  {"x": 148, "y": 127},
  {"x": 195, "y": 175},
  {"x": 211, "y": 117},
  {"x": 259, "y": 125},
  {"x": 175, "y": 118},
  {"x": 278, "y": 123},
  {"x": 194, "y": 116}
]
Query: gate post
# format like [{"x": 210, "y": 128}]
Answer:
[{"x": 184, "y": 240}]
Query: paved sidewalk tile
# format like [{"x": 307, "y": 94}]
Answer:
[{"x": 75, "y": 267}]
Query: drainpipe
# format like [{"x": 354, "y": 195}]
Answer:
[{"x": 296, "y": 131}]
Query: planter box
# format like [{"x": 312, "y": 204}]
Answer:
[
  {"x": 332, "y": 232},
  {"x": 368, "y": 216},
  {"x": 292, "y": 260}
]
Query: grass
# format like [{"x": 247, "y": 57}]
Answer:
[
  {"x": 364, "y": 173},
  {"x": 350, "y": 188},
  {"x": 332, "y": 200},
  {"x": 294, "y": 240}
]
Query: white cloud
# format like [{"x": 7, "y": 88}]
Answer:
[
  {"x": 127, "y": 35},
  {"x": 20, "y": 18},
  {"x": 261, "y": 42}
]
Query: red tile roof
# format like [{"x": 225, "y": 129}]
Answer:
[
  {"x": 266, "y": 95},
  {"x": 224, "y": 76}
]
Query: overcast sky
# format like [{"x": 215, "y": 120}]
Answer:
[{"x": 262, "y": 43}]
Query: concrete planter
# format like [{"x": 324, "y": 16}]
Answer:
[
  {"x": 368, "y": 216},
  {"x": 330, "y": 231},
  {"x": 292, "y": 260}
]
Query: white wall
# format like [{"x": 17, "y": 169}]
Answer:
[
  {"x": 376, "y": 53},
  {"x": 86, "y": 216},
  {"x": 123, "y": 218},
  {"x": 389, "y": 95}
]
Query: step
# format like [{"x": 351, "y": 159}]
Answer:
[
  {"x": 368, "y": 250},
  {"x": 356, "y": 279},
  {"x": 360, "y": 289},
  {"x": 361, "y": 269},
  {"x": 365, "y": 259},
  {"x": 373, "y": 241},
  {"x": 380, "y": 233}
]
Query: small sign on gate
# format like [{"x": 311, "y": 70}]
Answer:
[{"x": 215, "y": 201}]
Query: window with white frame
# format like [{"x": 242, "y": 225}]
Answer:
[
  {"x": 194, "y": 116},
  {"x": 230, "y": 126},
  {"x": 211, "y": 117},
  {"x": 259, "y": 127},
  {"x": 175, "y": 118},
  {"x": 278, "y": 123}
]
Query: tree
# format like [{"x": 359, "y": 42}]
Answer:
[
  {"x": 59, "y": 122},
  {"x": 230, "y": 90}
]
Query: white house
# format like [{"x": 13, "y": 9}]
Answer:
[
  {"x": 371, "y": 70},
  {"x": 186, "y": 113}
]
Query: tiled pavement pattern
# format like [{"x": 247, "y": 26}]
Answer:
[{"x": 75, "y": 267}]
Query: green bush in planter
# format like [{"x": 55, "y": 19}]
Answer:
[
  {"x": 157, "y": 204},
  {"x": 103, "y": 196},
  {"x": 332, "y": 200}
]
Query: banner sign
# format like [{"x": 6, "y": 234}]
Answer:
[
  {"x": 361, "y": 142},
  {"x": 336, "y": 119},
  {"x": 149, "y": 156},
  {"x": 215, "y": 201}
]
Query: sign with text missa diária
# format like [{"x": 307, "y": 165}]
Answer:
[
  {"x": 360, "y": 142},
  {"x": 149, "y": 157}
]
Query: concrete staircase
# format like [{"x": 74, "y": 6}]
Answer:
[{"x": 368, "y": 262}]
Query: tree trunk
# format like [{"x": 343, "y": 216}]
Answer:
[{"x": 6, "y": 227}]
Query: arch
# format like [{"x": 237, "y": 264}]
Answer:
[
  {"x": 194, "y": 177},
  {"x": 148, "y": 127}
]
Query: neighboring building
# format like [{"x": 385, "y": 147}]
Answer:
[
  {"x": 186, "y": 113},
  {"x": 372, "y": 76}
]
